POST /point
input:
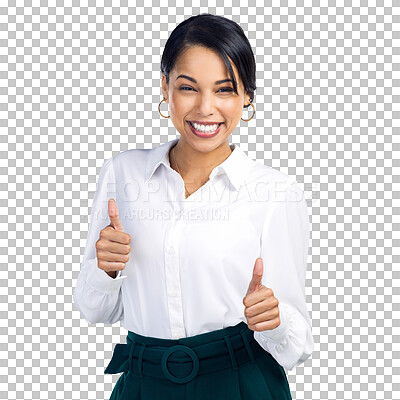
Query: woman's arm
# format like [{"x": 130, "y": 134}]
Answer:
[
  {"x": 97, "y": 295},
  {"x": 284, "y": 250}
]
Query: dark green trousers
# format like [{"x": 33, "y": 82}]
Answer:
[{"x": 223, "y": 364}]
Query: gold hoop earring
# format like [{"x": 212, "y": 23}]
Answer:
[
  {"x": 254, "y": 111},
  {"x": 159, "y": 108}
]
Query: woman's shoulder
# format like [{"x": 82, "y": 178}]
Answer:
[
  {"x": 128, "y": 164},
  {"x": 271, "y": 183},
  {"x": 132, "y": 156},
  {"x": 132, "y": 160},
  {"x": 140, "y": 156},
  {"x": 265, "y": 173}
]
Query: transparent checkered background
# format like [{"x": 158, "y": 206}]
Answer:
[{"x": 80, "y": 82}]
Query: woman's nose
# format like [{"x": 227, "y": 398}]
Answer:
[{"x": 206, "y": 104}]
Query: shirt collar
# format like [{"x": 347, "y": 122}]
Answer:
[{"x": 236, "y": 166}]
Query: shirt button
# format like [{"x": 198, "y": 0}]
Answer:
[
  {"x": 171, "y": 250},
  {"x": 173, "y": 293}
]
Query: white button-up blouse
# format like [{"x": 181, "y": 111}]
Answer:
[{"x": 192, "y": 259}]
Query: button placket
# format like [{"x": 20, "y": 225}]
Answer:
[
  {"x": 172, "y": 272},
  {"x": 171, "y": 250}
]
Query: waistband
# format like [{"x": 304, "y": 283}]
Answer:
[
  {"x": 190, "y": 341},
  {"x": 180, "y": 360}
]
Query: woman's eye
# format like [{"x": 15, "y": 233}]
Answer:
[{"x": 227, "y": 89}]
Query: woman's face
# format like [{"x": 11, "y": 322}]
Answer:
[{"x": 204, "y": 100}]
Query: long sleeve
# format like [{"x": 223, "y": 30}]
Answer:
[
  {"x": 284, "y": 251},
  {"x": 97, "y": 295}
]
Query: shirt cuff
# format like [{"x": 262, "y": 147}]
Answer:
[
  {"x": 101, "y": 281},
  {"x": 279, "y": 334}
]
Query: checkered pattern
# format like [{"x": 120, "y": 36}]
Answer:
[{"x": 81, "y": 83}]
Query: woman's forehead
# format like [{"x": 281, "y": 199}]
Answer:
[{"x": 204, "y": 66}]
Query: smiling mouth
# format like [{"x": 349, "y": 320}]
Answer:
[
  {"x": 205, "y": 134},
  {"x": 205, "y": 124}
]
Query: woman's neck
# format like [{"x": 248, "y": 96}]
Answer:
[{"x": 194, "y": 164}]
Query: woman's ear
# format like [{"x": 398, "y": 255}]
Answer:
[
  {"x": 248, "y": 97},
  {"x": 164, "y": 87}
]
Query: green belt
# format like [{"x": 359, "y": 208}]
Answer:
[{"x": 182, "y": 359}]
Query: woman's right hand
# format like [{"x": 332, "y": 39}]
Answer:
[{"x": 113, "y": 247}]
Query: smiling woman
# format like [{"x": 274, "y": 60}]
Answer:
[
  {"x": 181, "y": 263},
  {"x": 208, "y": 78},
  {"x": 204, "y": 104}
]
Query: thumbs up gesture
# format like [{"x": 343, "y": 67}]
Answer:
[
  {"x": 113, "y": 247},
  {"x": 261, "y": 306}
]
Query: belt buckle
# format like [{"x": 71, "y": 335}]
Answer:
[{"x": 190, "y": 353}]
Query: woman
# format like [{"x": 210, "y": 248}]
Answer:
[{"x": 205, "y": 257}]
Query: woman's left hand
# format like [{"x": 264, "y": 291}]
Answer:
[{"x": 261, "y": 306}]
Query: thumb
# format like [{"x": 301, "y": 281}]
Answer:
[
  {"x": 114, "y": 215},
  {"x": 257, "y": 276}
]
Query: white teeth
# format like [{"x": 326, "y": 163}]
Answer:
[{"x": 205, "y": 128}]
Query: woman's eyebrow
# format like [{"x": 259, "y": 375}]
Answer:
[{"x": 194, "y": 80}]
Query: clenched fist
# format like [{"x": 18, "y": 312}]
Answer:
[{"x": 113, "y": 247}]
